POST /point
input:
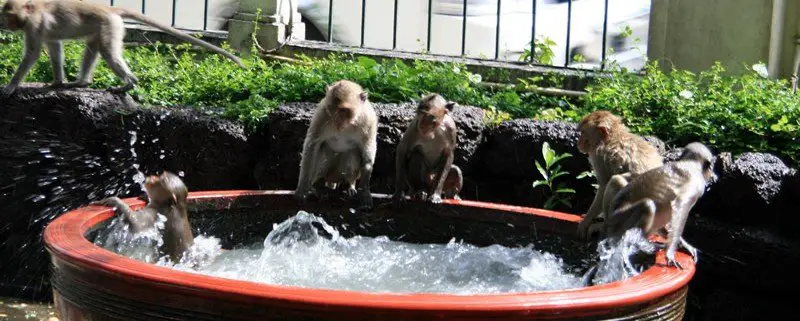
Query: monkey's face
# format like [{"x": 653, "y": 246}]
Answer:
[
  {"x": 12, "y": 14},
  {"x": 590, "y": 138},
  {"x": 165, "y": 188},
  {"x": 156, "y": 190},
  {"x": 428, "y": 122},
  {"x": 344, "y": 109},
  {"x": 343, "y": 116}
]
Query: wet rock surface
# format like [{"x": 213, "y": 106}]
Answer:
[{"x": 61, "y": 149}]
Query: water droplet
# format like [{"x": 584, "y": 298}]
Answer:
[
  {"x": 161, "y": 156},
  {"x": 180, "y": 173}
]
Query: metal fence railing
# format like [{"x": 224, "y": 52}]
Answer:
[
  {"x": 570, "y": 46},
  {"x": 160, "y": 9},
  {"x": 358, "y": 23}
]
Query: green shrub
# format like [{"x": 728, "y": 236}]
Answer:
[
  {"x": 176, "y": 75},
  {"x": 732, "y": 113}
]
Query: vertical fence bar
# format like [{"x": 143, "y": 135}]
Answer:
[
  {"x": 330, "y": 21},
  {"x": 363, "y": 20},
  {"x": 497, "y": 33},
  {"x": 430, "y": 14},
  {"x": 394, "y": 28},
  {"x": 464, "y": 29},
  {"x": 533, "y": 31},
  {"x": 143, "y": 6},
  {"x": 112, "y": 3},
  {"x": 605, "y": 40},
  {"x": 174, "y": 3},
  {"x": 569, "y": 27},
  {"x": 205, "y": 15}
]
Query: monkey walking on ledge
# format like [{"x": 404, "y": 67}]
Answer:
[
  {"x": 659, "y": 201},
  {"x": 47, "y": 22},
  {"x": 167, "y": 195}
]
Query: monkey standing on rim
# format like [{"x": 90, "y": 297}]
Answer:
[
  {"x": 616, "y": 156},
  {"x": 340, "y": 143},
  {"x": 46, "y": 22},
  {"x": 424, "y": 157},
  {"x": 659, "y": 200},
  {"x": 167, "y": 195}
]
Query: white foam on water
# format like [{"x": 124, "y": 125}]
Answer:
[
  {"x": 615, "y": 256},
  {"x": 305, "y": 251}
]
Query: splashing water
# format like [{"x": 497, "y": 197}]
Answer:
[
  {"x": 620, "y": 260},
  {"x": 305, "y": 251},
  {"x": 142, "y": 246}
]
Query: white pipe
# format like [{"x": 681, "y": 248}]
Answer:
[{"x": 776, "y": 37}]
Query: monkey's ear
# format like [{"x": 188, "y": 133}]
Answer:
[
  {"x": 363, "y": 96},
  {"x": 603, "y": 131},
  {"x": 450, "y": 105}
]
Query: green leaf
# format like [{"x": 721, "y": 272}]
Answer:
[
  {"x": 539, "y": 183},
  {"x": 542, "y": 171},
  {"x": 565, "y": 190}
]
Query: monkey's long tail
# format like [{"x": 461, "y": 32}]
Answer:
[{"x": 125, "y": 13}]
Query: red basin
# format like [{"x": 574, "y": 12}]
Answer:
[{"x": 91, "y": 283}]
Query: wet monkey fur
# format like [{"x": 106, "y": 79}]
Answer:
[
  {"x": 48, "y": 22},
  {"x": 424, "y": 156},
  {"x": 340, "y": 144},
  {"x": 167, "y": 195},
  {"x": 659, "y": 200},
  {"x": 616, "y": 156}
]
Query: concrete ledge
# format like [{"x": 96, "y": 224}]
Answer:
[{"x": 490, "y": 70}]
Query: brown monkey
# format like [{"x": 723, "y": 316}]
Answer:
[
  {"x": 49, "y": 22},
  {"x": 616, "y": 156},
  {"x": 424, "y": 157},
  {"x": 167, "y": 195},
  {"x": 662, "y": 197},
  {"x": 342, "y": 137}
]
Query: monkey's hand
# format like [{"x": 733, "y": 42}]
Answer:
[
  {"x": 583, "y": 228},
  {"x": 436, "y": 198},
  {"x": 8, "y": 90},
  {"x": 109, "y": 201}
]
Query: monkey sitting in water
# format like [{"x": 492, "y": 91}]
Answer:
[
  {"x": 424, "y": 157},
  {"x": 167, "y": 195}
]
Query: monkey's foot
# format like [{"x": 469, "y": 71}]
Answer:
[
  {"x": 8, "y": 90},
  {"x": 121, "y": 89},
  {"x": 435, "y": 199},
  {"x": 419, "y": 196},
  {"x": 366, "y": 201},
  {"x": 456, "y": 197},
  {"x": 672, "y": 262},
  {"x": 55, "y": 85},
  {"x": 76, "y": 84}
]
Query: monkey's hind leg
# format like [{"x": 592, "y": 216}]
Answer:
[
  {"x": 637, "y": 215},
  {"x": 418, "y": 176},
  {"x": 111, "y": 50},
  {"x": 89, "y": 62},
  {"x": 453, "y": 183}
]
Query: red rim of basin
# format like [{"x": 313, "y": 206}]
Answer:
[{"x": 64, "y": 238}]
